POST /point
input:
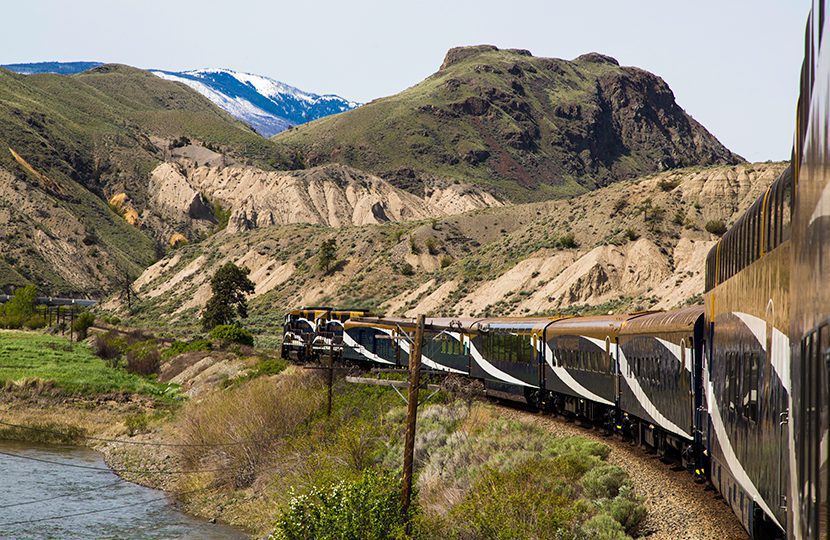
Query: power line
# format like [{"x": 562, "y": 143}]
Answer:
[
  {"x": 106, "y": 469},
  {"x": 88, "y": 512},
  {"x": 74, "y": 493},
  {"x": 120, "y": 441}
]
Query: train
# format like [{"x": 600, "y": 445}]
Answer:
[{"x": 735, "y": 389}]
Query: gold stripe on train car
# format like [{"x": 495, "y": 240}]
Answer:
[{"x": 764, "y": 220}]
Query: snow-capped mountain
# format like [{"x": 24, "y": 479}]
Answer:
[{"x": 267, "y": 105}]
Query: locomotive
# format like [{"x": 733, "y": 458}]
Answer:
[{"x": 736, "y": 389}]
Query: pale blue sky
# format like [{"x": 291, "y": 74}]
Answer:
[{"x": 733, "y": 64}]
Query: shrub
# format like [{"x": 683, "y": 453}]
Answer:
[
  {"x": 108, "y": 347},
  {"x": 35, "y": 321},
  {"x": 143, "y": 358},
  {"x": 603, "y": 527},
  {"x": 406, "y": 269},
  {"x": 627, "y": 509},
  {"x": 568, "y": 241},
  {"x": 136, "y": 423},
  {"x": 432, "y": 246},
  {"x": 631, "y": 234},
  {"x": 604, "y": 481},
  {"x": 82, "y": 324},
  {"x": 446, "y": 260},
  {"x": 181, "y": 347},
  {"x": 413, "y": 247},
  {"x": 716, "y": 227},
  {"x": 258, "y": 414},
  {"x": 367, "y": 508},
  {"x": 232, "y": 333}
]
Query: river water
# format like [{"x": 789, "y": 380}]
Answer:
[{"x": 85, "y": 503}]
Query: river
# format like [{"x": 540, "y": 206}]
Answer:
[{"x": 86, "y": 503}]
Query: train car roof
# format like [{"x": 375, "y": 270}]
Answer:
[
  {"x": 531, "y": 324},
  {"x": 679, "y": 320},
  {"x": 598, "y": 326},
  {"x": 379, "y": 322}
]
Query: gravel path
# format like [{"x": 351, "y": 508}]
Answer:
[{"x": 678, "y": 508}]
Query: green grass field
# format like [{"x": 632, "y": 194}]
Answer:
[{"x": 70, "y": 367}]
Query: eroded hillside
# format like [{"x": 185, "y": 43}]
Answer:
[{"x": 633, "y": 245}]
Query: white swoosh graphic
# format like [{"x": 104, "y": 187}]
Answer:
[
  {"x": 424, "y": 360},
  {"x": 641, "y": 396},
  {"x": 732, "y": 461},
  {"x": 493, "y": 371},
  {"x": 568, "y": 379},
  {"x": 349, "y": 340},
  {"x": 676, "y": 350}
]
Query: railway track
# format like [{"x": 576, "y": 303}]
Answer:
[{"x": 678, "y": 507}]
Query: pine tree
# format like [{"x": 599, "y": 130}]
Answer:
[{"x": 230, "y": 286}]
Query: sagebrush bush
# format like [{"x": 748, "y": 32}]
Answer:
[
  {"x": 716, "y": 227},
  {"x": 143, "y": 358},
  {"x": 368, "y": 508},
  {"x": 109, "y": 346},
  {"x": 604, "y": 481},
  {"x": 603, "y": 527},
  {"x": 180, "y": 347},
  {"x": 35, "y": 322},
  {"x": 232, "y": 333},
  {"x": 257, "y": 415},
  {"x": 627, "y": 509},
  {"x": 82, "y": 324}
]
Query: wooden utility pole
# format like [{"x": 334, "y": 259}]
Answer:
[
  {"x": 411, "y": 415},
  {"x": 331, "y": 374}
]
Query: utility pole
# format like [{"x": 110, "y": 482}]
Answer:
[
  {"x": 331, "y": 374},
  {"x": 411, "y": 415}
]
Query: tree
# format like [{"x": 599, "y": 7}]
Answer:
[
  {"x": 328, "y": 254},
  {"x": 230, "y": 286},
  {"x": 22, "y": 304}
]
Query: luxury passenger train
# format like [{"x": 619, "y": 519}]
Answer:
[{"x": 736, "y": 389}]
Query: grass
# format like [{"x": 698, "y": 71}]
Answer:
[{"x": 27, "y": 357}]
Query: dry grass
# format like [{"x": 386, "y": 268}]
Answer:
[{"x": 257, "y": 415}]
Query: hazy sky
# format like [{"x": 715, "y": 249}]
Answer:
[{"x": 733, "y": 64}]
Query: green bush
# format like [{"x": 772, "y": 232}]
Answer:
[
  {"x": 716, "y": 227},
  {"x": 406, "y": 269},
  {"x": 232, "y": 333},
  {"x": 181, "y": 347},
  {"x": 136, "y": 423},
  {"x": 604, "y": 481},
  {"x": 627, "y": 509},
  {"x": 367, "y": 508},
  {"x": 603, "y": 527},
  {"x": 82, "y": 323},
  {"x": 143, "y": 358},
  {"x": 35, "y": 321},
  {"x": 109, "y": 347},
  {"x": 568, "y": 241},
  {"x": 446, "y": 260}
]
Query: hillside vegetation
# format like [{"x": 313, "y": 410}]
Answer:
[{"x": 522, "y": 127}]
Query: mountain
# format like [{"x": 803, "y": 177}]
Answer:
[
  {"x": 522, "y": 127},
  {"x": 71, "y": 144},
  {"x": 267, "y": 105}
]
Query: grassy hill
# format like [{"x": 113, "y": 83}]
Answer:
[
  {"x": 525, "y": 128},
  {"x": 68, "y": 143}
]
